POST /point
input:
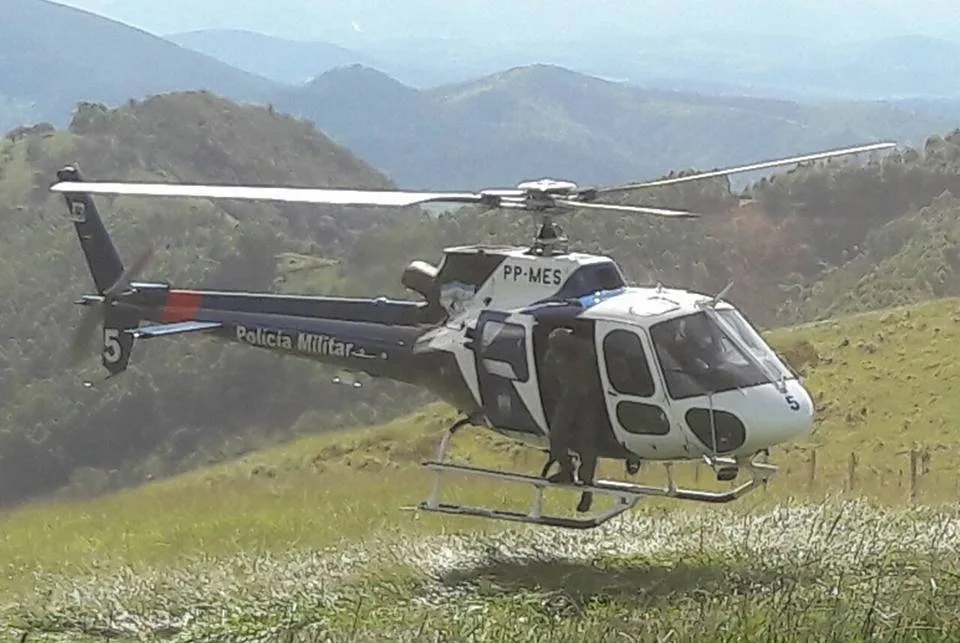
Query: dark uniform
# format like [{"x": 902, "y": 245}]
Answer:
[{"x": 568, "y": 373}]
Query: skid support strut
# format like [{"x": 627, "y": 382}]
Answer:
[{"x": 625, "y": 495}]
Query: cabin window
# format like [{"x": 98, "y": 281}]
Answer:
[
  {"x": 643, "y": 419},
  {"x": 503, "y": 349},
  {"x": 627, "y": 366}
]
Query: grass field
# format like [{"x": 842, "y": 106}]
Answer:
[{"x": 306, "y": 541}]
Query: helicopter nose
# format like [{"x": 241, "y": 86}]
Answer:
[{"x": 790, "y": 414}]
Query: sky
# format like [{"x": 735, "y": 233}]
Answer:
[{"x": 347, "y": 21}]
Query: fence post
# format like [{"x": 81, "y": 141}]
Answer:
[
  {"x": 813, "y": 468},
  {"x": 852, "y": 472},
  {"x": 913, "y": 475}
]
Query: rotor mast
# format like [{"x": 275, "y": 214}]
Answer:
[{"x": 550, "y": 239}]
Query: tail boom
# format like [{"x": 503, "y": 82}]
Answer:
[{"x": 375, "y": 336}]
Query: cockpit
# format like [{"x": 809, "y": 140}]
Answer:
[{"x": 698, "y": 355}]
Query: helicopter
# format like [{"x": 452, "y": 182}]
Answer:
[{"x": 477, "y": 337}]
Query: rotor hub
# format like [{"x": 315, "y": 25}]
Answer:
[{"x": 548, "y": 186}]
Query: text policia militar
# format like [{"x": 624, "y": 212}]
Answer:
[{"x": 311, "y": 343}]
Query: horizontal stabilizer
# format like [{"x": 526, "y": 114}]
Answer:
[{"x": 162, "y": 330}]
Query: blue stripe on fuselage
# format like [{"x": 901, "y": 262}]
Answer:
[
  {"x": 570, "y": 307},
  {"x": 589, "y": 301}
]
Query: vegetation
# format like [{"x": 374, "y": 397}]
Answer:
[{"x": 306, "y": 540}]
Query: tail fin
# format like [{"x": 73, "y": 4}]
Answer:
[
  {"x": 102, "y": 257},
  {"x": 107, "y": 270}
]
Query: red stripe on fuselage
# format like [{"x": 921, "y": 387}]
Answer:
[{"x": 181, "y": 305}]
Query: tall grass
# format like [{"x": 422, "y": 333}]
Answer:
[{"x": 843, "y": 570}]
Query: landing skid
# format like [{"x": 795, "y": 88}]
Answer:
[{"x": 626, "y": 496}]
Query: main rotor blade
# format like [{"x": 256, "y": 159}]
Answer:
[
  {"x": 334, "y": 196},
  {"x": 748, "y": 168},
  {"x": 639, "y": 209}
]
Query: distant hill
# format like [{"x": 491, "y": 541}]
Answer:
[
  {"x": 285, "y": 61},
  {"x": 738, "y": 60},
  {"x": 547, "y": 120},
  {"x": 52, "y": 56}
]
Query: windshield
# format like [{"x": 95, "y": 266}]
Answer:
[
  {"x": 698, "y": 357},
  {"x": 737, "y": 325}
]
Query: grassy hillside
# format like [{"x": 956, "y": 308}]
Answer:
[
  {"x": 52, "y": 56},
  {"x": 541, "y": 120},
  {"x": 307, "y": 537}
]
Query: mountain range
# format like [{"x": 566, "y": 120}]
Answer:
[
  {"x": 540, "y": 120},
  {"x": 745, "y": 63}
]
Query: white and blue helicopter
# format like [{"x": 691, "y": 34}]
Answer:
[{"x": 684, "y": 376}]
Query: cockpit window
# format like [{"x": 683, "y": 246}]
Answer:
[{"x": 698, "y": 357}]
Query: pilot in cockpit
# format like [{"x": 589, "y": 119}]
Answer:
[{"x": 696, "y": 344}]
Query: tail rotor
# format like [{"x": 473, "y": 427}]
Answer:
[{"x": 98, "y": 307}]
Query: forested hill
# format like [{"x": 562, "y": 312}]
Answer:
[
  {"x": 181, "y": 401},
  {"x": 52, "y": 55}
]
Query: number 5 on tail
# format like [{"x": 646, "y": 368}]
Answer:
[{"x": 116, "y": 349}]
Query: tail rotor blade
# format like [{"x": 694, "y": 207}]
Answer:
[
  {"x": 95, "y": 314},
  {"x": 130, "y": 273},
  {"x": 83, "y": 336}
]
